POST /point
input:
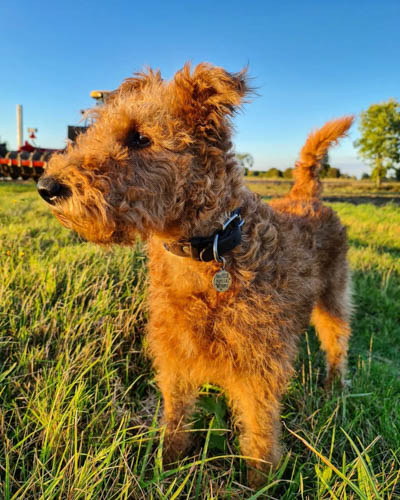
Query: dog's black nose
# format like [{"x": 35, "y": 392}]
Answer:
[{"x": 51, "y": 189}]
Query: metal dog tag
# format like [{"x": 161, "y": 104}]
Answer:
[{"x": 222, "y": 281}]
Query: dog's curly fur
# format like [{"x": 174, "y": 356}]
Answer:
[{"x": 290, "y": 267}]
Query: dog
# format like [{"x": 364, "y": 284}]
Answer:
[{"x": 234, "y": 281}]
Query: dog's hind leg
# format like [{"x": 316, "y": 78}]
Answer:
[{"x": 331, "y": 318}]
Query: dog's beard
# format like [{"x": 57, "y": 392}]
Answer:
[{"x": 88, "y": 224}]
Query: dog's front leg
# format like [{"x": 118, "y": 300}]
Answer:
[
  {"x": 179, "y": 395},
  {"x": 256, "y": 409}
]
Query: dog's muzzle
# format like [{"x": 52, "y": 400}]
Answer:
[{"x": 51, "y": 190}]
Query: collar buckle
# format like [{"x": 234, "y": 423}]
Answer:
[{"x": 206, "y": 249}]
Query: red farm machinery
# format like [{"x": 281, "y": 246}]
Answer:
[{"x": 29, "y": 160}]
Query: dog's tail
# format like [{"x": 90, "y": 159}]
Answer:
[{"x": 306, "y": 173}]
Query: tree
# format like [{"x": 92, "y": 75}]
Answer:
[
  {"x": 333, "y": 173},
  {"x": 379, "y": 143},
  {"x": 246, "y": 161},
  {"x": 325, "y": 166},
  {"x": 273, "y": 173},
  {"x": 3, "y": 149},
  {"x": 288, "y": 173}
]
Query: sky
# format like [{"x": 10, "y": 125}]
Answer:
[{"x": 311, "y": 60}]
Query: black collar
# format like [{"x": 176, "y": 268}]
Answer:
[{"x": 210, "y": 248}]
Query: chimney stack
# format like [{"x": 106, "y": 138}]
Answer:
[{"x": 20, "y": 133}]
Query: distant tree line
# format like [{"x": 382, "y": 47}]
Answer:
[{"x": 247, "y": 162}]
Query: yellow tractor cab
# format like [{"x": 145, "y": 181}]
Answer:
[{"x": 100, "y": 95}]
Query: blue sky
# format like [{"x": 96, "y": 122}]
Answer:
[{"x": 311, "y": 61}]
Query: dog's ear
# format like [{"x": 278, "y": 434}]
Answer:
[
  {"x": 136, "y": 83},
  {"x": 209, "y": 93},
  {"x": 140, "y": 80}
]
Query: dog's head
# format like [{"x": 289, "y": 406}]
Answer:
[{"x": 156, "y": 157}]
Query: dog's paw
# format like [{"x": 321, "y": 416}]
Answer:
[
  {"x": 336, "y": 380},
  {"x": 175, "y": 447},
  {"x": 256, "y": 478}
]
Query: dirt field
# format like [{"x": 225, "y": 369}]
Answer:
[{"x": 334, "y": 190}]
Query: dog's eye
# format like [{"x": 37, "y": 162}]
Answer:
[{"x": 135, "y": 140}]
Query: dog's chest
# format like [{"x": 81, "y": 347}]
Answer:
[{"x": 184, "y": 303}]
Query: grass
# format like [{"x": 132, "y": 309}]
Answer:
[{"x": 79, "y": 408}]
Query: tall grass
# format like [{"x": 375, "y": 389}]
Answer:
[{"x": 79, "y": 408}]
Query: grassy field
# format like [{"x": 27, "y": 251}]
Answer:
[{"x": 78, "y": 403}]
